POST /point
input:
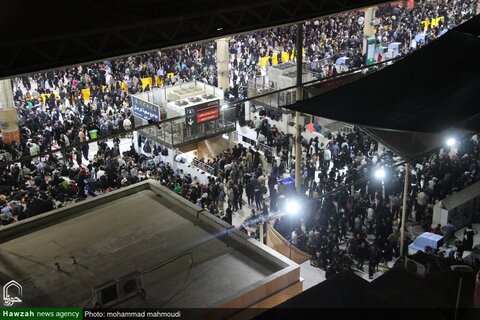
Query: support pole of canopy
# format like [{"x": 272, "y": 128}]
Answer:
[
  {"x": 261, "y": 231},
  {"x": 404, "y": 209},
  {"x": 299, "y": 97}
]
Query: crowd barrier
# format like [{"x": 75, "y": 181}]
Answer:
[
  {"x": 278, "y": 243},
  {"x": 148, "y": 81},
  {"x": 285, "y": 56},
  {"x": 432, "y": 23}
]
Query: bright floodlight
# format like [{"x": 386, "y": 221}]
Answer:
[
  {"x": 293, "y": 207},
  {"x": 380, "y": 174},
  {"x": 451, "y": 142}
]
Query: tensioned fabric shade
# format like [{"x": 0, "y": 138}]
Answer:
[
  {"x": 471, "y": 26},
  {"x": 408, "y": 145}
]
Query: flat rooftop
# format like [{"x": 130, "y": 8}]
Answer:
[{"x": 188, "y": 258}]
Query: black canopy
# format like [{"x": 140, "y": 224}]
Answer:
[{"x": 471, "y": 26}]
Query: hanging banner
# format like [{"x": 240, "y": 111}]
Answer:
[
  {"x": 371, "y": 47},
  {"x": 145, "y": 110}
]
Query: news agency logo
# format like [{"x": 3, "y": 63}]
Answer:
[{"x": 8, "y": 289}]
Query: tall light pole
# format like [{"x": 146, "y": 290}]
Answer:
[
  {"x": 299, "y": 97},
  {"x": 404, "y": 209}
]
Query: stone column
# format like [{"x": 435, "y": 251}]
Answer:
[
  {"x": 6, "y": 94},
  {"x": 368, "y": 26},
  {"x": 8, "y": 113},
  {"x": 223, "y": 56}
]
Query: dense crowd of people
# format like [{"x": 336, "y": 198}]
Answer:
[
  {"x": 329, "y": 38},
  {"x": 334, "y": 228},
  {"x": 373, "y": 207}
]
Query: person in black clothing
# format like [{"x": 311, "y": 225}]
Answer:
[
  {"x": 250, "y": 191},
  {"x": 236, "y": 198},
  {"x": 258, "y": 196},
  {"x": 468, "y": 237},
  {"x": 80, "y": 179},
  {"x": 273, "y": 199},
  {"x": 240, "y": 195},
  {"x": 265, "y": 211},
  {"x": 228, "y": 216},
  {"x": 372, "y": 261},
  {"x": 362, "y": 254}
]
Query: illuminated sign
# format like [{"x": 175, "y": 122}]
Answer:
[{"x": 202, "y": 112}]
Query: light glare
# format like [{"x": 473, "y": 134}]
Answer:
[
  {"x": 380, "y": 174},
  {"x": 293, "y": 207},
  {"x": 451, "y": 142}
]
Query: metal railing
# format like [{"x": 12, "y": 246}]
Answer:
[
  {"x": 176, "y": 132},
  {"x": 280, "y": 99},
  {"x": 258, "y": 146},
  {"x": 203, "y": 166},
  {"x": 340, "y": 127}
]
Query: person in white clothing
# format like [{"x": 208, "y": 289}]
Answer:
[
  {"x": 294, "y": 238},
  {"x": 127, "y": 124},
  {"x": 327, "y": 157}
]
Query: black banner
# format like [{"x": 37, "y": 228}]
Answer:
[{"x": 145, "y": 110}]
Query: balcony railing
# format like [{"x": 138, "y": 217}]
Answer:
[{"x": 176, "y": 132}]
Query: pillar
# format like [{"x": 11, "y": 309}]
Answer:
[
  {"x": 368, "y": 27},
  {"x": 476, "y": 301},
  {"x": 223, "y": 57},
  {"x": 404, "y": 210},
  {"x": 6, "y": 94},
  {"x": 299, "y": 97},
  {"x": 8, "y": 113},
  {"x": 261, "y": 225}
]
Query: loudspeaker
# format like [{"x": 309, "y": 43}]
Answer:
[
  {"x": 114, "y": 291},
  {"x": 130, "y": 285},
  {"x": 105, "y": 295}
]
